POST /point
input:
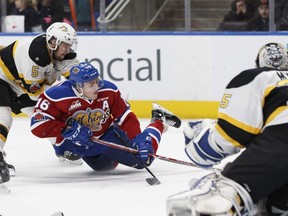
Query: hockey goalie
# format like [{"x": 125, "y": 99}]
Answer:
[{"x": 253, "y": 116}]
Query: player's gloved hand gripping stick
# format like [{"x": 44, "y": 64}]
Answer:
[
  {"x": 80, "y": 135},
  {"x": 77, "y": 133},
  {"x": 142, "y": 144}
]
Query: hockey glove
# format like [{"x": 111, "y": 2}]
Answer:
[
  {"x": 201, "y": 147},
  {"x": 195, "y": 127},
  {"x": 77, "y": 133},
  {"x": 143, "y": 143}
]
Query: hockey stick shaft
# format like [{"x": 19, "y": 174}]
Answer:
[
  {"x": 151, "y": 181},
  {"x": 125, "y": 148}
]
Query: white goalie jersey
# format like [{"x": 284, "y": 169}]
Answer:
[
  {"x": 28, "y": 66},
  {"x": 252, "y": 101}
]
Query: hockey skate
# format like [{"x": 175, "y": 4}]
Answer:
[
  {"x": 167, "y": 117},
  {"x": 11, "y": 168},
  {"x": 69, "y": 158},
  {"x": 4, "y": 170}
]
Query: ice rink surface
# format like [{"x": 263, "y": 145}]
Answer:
[{"x": 43, "y": 186}]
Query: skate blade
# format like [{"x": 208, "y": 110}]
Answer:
[
  {"x": 65, "y": 161},
  {"x": 57, "y": 214}
]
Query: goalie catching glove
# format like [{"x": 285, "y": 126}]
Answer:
[
  {"x": 201, "y": 147},
  {"x": 77, "y": 133}
]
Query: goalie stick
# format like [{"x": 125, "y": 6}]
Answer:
[{"x": 164, "y": 158}]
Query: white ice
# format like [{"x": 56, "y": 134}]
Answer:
[{"x": 43, "y": 186}]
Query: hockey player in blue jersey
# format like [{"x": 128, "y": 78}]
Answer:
[
  {"x": 253, "y": 116},
  {"x": 84, "y": 107}
]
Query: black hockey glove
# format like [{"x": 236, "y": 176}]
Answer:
[{"x": 77, "y": 133}]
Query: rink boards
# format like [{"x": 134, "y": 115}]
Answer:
[{"x": 184, "y": 72}]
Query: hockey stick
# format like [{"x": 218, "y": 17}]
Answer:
[
  {"x": 150, "y": 181},
  {"x": 164, "y": 158}
]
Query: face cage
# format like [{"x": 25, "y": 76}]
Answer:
[{"x": 275, "y": 57}]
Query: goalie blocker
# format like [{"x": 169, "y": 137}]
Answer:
[{"x": 201, "y": 147}]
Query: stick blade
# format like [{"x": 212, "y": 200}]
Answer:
[{"x": 153, "y": 181}]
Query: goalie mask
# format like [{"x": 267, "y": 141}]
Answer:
[
  {"x": 61, "y": 32},
  {"x": 85, "y": 73},
  {"x": 272, "y": 55}
]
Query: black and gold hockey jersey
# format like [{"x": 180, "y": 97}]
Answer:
[
  {"x": 253, "y": 100},
  {"x": 28, "y": 66}
]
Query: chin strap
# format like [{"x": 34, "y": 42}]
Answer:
[{"x": 79, "y": 92}]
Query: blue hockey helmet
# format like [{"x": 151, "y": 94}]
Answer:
[{"x": 84, "y": 72}]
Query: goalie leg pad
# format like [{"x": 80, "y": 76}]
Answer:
[
  {"x": 182, "y": 203},
  {"x": 212, "y": 195}
]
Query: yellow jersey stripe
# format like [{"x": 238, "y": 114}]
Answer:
[
  {"x": 228, "y": 138},
  {"x": 274, "y": 114},
  {"x": 239, "y": 124}
]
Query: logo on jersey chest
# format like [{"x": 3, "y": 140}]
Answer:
[
  {"x": 92, "y": 118},
  {"x": 74, "y": 105}
]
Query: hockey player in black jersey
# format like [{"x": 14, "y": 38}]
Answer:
[
  {"x": 253, "y": 116},
  {"x": 27, "y": 67}
]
